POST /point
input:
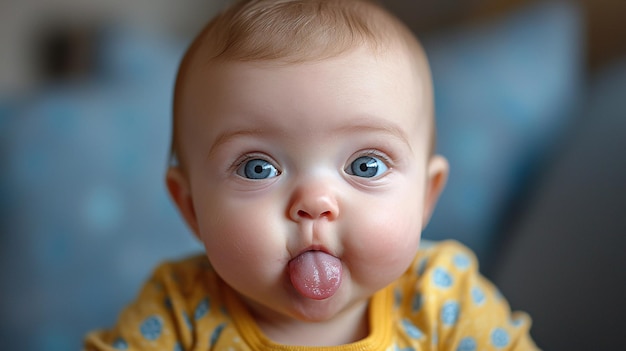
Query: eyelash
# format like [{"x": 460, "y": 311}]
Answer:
[
  {"x": 373, "y": 153},
  {"x": 248, "y": 157}
]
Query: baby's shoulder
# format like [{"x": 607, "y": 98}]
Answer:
[
  {"x": 443, "y": 296},
  {"x": 441, "y": 272},
  {"x": 185, "y": 267},
  {"x": 187, "y": 276},
  {"x": 447, "y": 256},
  {"x": 178, "y": 307}
]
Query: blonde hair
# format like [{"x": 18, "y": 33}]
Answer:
[{"x": 289, "y": 31}]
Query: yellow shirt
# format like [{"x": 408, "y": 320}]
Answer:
[{"x": 440, "y": 303}]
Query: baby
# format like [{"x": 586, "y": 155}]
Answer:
[{"x": 304, "y": 161}]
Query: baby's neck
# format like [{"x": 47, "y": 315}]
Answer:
[{"x": 350, "y": 326}]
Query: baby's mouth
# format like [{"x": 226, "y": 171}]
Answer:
[{"x": 315, "y": 274}]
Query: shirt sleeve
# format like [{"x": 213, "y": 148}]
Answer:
[
  {"x": 461, "y": 309},
  {"x": 161, "y": 317}
]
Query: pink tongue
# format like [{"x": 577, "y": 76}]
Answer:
[{"x": 315, "y": 274}]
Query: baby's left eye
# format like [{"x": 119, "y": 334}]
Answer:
[{"x": 367, "y": 167}]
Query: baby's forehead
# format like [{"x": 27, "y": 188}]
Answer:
[
  {"x": 353, "y": 97},
  {"x": 275, "y": 35},
  {"x": 382, "y": 83},
  {"x": 398, "y": 63}
]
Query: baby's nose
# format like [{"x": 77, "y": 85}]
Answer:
[{"x": 314, "y": 203}]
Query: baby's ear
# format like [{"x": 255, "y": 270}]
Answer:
[
  {"x": 436, "y": 178},
  {"x": 180, "y": 191}
]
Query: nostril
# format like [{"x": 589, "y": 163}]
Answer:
[{"x": 303, "y": 214}]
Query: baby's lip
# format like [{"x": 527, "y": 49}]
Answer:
[{"x": 313, "y": 248}]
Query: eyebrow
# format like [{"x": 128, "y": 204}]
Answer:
[
  {"x": 366, "y": 125},
  {"x": 377, "y": 126},
  {"x": 225, "y": 137}
]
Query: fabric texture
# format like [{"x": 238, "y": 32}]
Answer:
[{"x": 440, "y": 303}]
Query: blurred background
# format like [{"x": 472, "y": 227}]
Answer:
[{"x": 531, "y": 107}]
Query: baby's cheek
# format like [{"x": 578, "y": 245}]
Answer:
[
  {"x": 241, "y": 232},
  {"x": 242, "y": 251},
  {"x": 383, "y": 248},
  {"x": 392, "y": 241}
]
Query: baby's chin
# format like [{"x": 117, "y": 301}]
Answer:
[{"x": 315, "y": 311}]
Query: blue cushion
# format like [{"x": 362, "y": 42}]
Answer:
[
  {"x": 86, "y": 212},
  {"x": 504, "y": 94}
]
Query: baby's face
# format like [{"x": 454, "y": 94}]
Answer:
[{"x": 306, "y": 182}]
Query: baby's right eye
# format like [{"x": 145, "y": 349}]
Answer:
[{"x": 257, "y": 169}]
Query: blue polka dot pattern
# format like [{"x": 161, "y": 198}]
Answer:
[
  {"x": 408, "y": 348},
  {"x": 467, "y": 344},
  {"x": 418, "y": 300},
  {"x": 422, "y": 267},
  {"x": 187, "y": 321},
  {"x": 120, "y": 344},
  {"x": 397, "y": 294},
  {"x": 216, "y": 334},
  {"x": 411, "y": 330},
  {"x": 151, "y": 328},
  {"x": 461, "y": 261},
  {"x": 478, "y": 296},
  {"x": 178, "y": 347},
  {"x": 167, "y": 303},
  {"x": 499, "y": 338},
  {"x": 517, "y": 322},
  {"x": 442, "y": 278},
  {"x": 202, "y": 309},
  {"x": 449, "y": 313}
]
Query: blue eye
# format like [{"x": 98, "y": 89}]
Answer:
[
  {"x": 257, "y": 169},
  {"x": 367, "y": 167}
]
